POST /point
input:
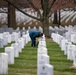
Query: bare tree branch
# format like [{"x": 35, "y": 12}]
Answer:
[
  {"x": 34, "y": 7},
  {"x": 51, "y": 5},
  {"x": 22, "y": 11}
]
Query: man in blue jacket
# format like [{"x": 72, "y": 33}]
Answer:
[{"x": 33, "y": 33}]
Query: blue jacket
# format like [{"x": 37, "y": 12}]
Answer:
[{"x": 34, "y": 33}]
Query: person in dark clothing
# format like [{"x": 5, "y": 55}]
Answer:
[{"x": 33, "y": 33}]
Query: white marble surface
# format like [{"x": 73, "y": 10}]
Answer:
[
  {"x": 42, "y": 50},
  {"x": 42, "y": 59},
  {"x": 22, "y": 42},
  {"x": 10, "y": 52},
  {"x": 46, "y": 69},
  {"x": 1, "y": 43},
  {"x": 20, "y": 45},
  {"x": 3, "y": 63},
  {"x": 9, "y": 38},
  {"x": 74, "y": 55},
  {"x": 16, "y": 51}
]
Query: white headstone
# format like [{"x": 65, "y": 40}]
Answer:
[
  {"x": 42, "y": 50},
  {"x": 69, "y": 52},
  {"x": 20, "y": 45},
  {"x": 14, "y": 36},
  {"x": 46, "y": 69},
  {"x": 22, "y": 40},
  {"x": 5, "y": 40},
  {"x": 1, "y": 35},
  {"x": 10, "y": 52},
  {"x": 9, "y": 38},
  {"x": 25, "y": 39},
  {"x": 74, "y": 56},
  {"x": 18, "y": 29},
  {"x": 16, "y": 51},
  {"x": 1, "y": 43},
  {"x": 42, "y": 59},
  {"x": 66, "y": 47},
  {"x": 62, "y": 44},
  {"x": 34, "y": 27},
  {"x": 3, "y": 63},
  {"x": 23, "y": 33},
  {"x": 42, "y": 44}
]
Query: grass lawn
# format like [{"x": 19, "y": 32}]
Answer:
[
  {"x": 59, "y": 60},
  {"x": 26, "y": 63}
]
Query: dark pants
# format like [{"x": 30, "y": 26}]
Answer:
[{"x": 33, "y": 42}]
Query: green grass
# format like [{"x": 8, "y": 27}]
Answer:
[
  {"x": 26, "y": 63},
  {"x": 59, "y": 60},
  {"x": 2, "y": 49}
]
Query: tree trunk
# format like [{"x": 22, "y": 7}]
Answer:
[
  {"x": 45, "y": 24},
  {"x": 55, "y": 18},
  {"x": 59, "y": 18},
  {"x": 11, "y": 16}
]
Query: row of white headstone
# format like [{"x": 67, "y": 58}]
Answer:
[
  {"x": 69, "y": 32},
  {"x": 71, "y": 36},
  {"x": 6, "y": 38},
  {"x": 20, "y": 17},
  {"x": 73, "y": 14},
  {"x": 11, "y": 52},
  {"x": 65, "y": 16},
  {"x": 66, "y": 46},
  {"x": 43, "y": 65}
]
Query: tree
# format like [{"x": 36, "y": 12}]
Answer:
[
  {"x": 11, "y": 16},
  {"x": 43, "y": 17},
  {"x": 46, "y": 6},
  {"x": 55, "y": 18}
]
